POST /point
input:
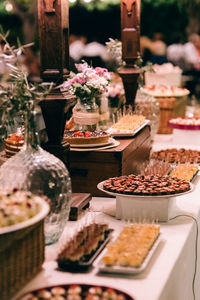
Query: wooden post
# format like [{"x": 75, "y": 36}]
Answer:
[
  {"x": 53, "y": 19},
  {"x": 130, "y": 35}
]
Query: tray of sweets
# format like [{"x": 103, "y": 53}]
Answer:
[
  {"x": 81, "y": 251},
  {"x": 185, "y": 171},
  {"x": 76, "y": 291},
  {"x": 133, "y": 262},
  {"x": 154, "y": 187},
  {"x": 125, "y": 132}
]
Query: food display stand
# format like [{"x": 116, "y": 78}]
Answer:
[{"x": 171, "y": 270}]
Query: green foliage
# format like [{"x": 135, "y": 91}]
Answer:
[{"x": 17, "y": 96}]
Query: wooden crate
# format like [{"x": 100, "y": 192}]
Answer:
[
  {"x": 87, "y": 169},
  {"x": 170, "y": 107}
]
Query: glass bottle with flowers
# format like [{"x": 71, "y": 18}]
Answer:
[
  {"x": 32, "y": 168},
  {"x": 88, "y": 85}
]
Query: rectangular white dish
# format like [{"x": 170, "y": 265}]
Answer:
[
  {"x": 127, "y": 270},
  {"x": 124, "y": 133}
]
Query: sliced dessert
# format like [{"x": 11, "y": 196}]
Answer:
[{"x": 86, "y": 137}]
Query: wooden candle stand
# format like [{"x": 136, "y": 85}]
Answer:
[
  {"x": 54, "y": 53},
  {"x": 130, "y": 35}
]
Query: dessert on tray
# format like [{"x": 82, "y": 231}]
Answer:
[
  {"x": 77, "y": 292},
  {"x": 127, "y": 124},
  {"x": 174, "y": 155},
  {"x": 17, "y": 207},
  {"x": 146, "y": 185},
  {"x": 185, "y": 171},
  {"x": 131, "y": 246},
  {"x": 13, "y": 144},
  {"x": 185, "y": 123},
  {"x": 165, "y": 91},
  {"x": 82, "y": 247},
  {"x": 78, "y": 137},
  {"x": 157, "y": 168}
]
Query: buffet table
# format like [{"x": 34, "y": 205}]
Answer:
[{"x": 171, "y": 271}]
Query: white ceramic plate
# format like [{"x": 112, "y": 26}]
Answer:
[
  {"x": 127, "y": 270},
  {"x": 110, "y": 141},
  {"x": 124, "y": 133},
  {"x": 100, "y": 187},
  {"x": 114, "y": 144}
]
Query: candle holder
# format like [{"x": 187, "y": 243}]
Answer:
[{"x": 130, "y": 36}]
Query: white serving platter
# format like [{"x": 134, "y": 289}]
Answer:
[
  {"x": 127, "y": 270},
  {"x": 129, "y": 133},
  {"x": 114, "y": 144},
  {"x": 138, "y": 208},
  {"x": 100, "y": 187}
]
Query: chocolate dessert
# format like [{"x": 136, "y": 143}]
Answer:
[
  {"x": 177, "y": 155},
  {"x": 146, "y": 185}
]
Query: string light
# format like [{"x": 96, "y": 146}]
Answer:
[{"x": 8, "y": 6}]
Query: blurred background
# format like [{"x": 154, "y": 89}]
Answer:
[
  {"x": 100, "y": 19},
  {"x": 169, "y": 32}
]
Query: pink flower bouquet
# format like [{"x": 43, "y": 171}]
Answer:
[{"x": 88, "y": 83}]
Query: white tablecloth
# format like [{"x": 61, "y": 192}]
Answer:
[{"x": 168, "y": 276}]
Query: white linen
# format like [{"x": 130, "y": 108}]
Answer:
[{"x": 170, "y": 272}]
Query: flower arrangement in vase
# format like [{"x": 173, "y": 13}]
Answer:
[{"x": 88, "y": 85}]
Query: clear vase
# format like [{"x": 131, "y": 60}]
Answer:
[
  {"x": 102, "y": 101},
  {"x": 86, "y": 114},
  {"x": 148, "y": 106},
  {"x": 42, "y": 173}
]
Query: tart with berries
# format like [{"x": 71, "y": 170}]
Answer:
[{"x": 86, "y": 137}]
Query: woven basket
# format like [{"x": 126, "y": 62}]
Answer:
[
  {"x": 170, "y": 107},
  {"x": 21, "y": 252}
]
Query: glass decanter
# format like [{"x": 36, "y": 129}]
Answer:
[
  {"x": 148, "y": 106},
  {"x": 86, "y": 114},
  {"x": 42, "y": 173}
]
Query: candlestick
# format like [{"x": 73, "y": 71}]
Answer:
[
  {"x": 53, "y": 28},
  {"x": 130, "y": 36},
  {"x": 130, "y": 30}
]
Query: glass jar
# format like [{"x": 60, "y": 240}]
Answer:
[
  {"x": 102, "y": 101},
  {"x": 42, "y": 173},
  {"x": 148, "y": 106},
  {"x": 86, "y": 114}
]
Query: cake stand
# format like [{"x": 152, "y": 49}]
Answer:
[{"x": 144, "y": 208}]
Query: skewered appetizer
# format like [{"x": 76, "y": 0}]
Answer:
[
  {"x": 157, "y": 168},
  {"x": 131, "y": 246}
]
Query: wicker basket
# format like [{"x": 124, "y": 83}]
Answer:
[
  {"x": 21, "y": 252},
  {"x": 170, "y": 107}
]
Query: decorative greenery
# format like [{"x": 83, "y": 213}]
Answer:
[{"x": 17, "y": 96}]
